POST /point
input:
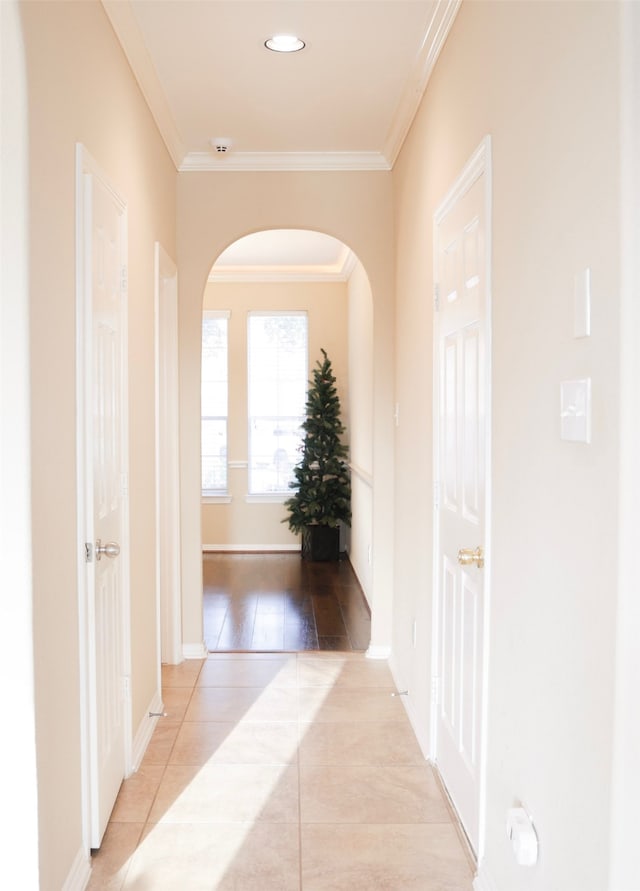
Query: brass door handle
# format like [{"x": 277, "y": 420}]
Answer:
[{"x": 467, "y": 556}]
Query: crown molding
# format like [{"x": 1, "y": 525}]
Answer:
[
  {"x": 126, "y": 28},
  {"x": 432, "y": 43},
  {"x": 252, "y": 161},
  {"x": 349, "y": 264},
  {"x": 334, "y": 272},
  {"x": 276, "y": 274}
]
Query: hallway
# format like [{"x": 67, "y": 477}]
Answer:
[{"x": 296, "y": 772}]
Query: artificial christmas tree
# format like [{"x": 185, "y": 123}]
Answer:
[{"x": 322, "y": 484}]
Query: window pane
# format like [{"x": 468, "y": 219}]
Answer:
[
  {"x": 214, "y": 398},
  {"x": 278, "y": 370},
  {"x": 274, "y": 448},
  {"x": 214, "y": 454},
  {"x": 214, "y": 404}
]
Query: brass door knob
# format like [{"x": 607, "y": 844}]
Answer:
[{"x": 467, "y": 556}]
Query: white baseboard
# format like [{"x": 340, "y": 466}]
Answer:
[
  {"x": 393, "y": 668},
  {"x": 378, "y": 652},
  {"x": 249, "y": 548},
  {"x": 79, "y": 874},
  {"x": 194, "y": 651},
  {"x": 483, "y": 881},
  {"x": 145, "y": 731}
]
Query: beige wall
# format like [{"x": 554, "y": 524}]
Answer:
[
  {"x": 81, "y": 89},
  {"x": 241, "y": 523},
  {"x": 215, "y": 209},
  {"x": 542, "y": 80}
]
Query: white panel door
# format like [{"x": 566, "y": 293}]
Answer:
[
  {"x": 461, "y": 357},
  {"x": 105, "y": 485}
]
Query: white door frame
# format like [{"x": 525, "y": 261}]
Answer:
[
  {"x": 168, "y": 547},
  {"x": 85, "y": 164},
  {"x": 19, "y": 824},
  {"x": 625, "y": 786},
  {"x": 478, "y": 165}
]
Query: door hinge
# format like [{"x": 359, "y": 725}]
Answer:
[
  {"x": 88, "y": 552},
  {"x": 124, "y": 278},
  {"x": 126, "y": 688},
  {"x": 436, "y": 297},
  {"x": 435, "y": 690},
  {"x": 436, "y": 494},
  {"x": 124, "y": 484}
]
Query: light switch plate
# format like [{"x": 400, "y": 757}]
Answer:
[
  {"x": 582, "y": 304},
  {"x": 575, "y": 410}
]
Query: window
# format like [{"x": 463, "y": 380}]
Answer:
[
  {"x": 214, "y": 402},
  {"x": 278, "y": 371}
]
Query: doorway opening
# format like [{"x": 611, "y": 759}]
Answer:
[{"x": 311, "y": 286}]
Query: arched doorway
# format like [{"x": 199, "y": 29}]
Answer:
[
  {"x": 214, "y": 210},
  {"x": 284, "y": 276}
]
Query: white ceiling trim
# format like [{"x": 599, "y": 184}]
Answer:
[
  {"x": 127, "y": 31},
  {"x": 433, "y": 41},
  {"x": 256, "y": 274},
  {"x": 198, "y": 161},
  {"x": 335, "y": 272}
]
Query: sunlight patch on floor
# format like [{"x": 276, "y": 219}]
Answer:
[{"x": 230, "y": 780}]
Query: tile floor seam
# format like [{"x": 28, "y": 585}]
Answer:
[{"x": 299, "y": 778}]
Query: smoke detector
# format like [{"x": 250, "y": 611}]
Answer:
[{"x": 221, "y": 144}]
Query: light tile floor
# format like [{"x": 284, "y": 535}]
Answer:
[{"x": 295, "y": 772}]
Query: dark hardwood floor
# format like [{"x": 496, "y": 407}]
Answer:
[{"x": 279, "y": 602}]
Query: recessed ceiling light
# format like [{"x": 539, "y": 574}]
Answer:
[{"x": 284, "y": 43}]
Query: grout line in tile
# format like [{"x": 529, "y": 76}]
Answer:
[{"x": 298, "y": 759}]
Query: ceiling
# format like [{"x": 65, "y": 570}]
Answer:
[{"x": 344, "y": 102}]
